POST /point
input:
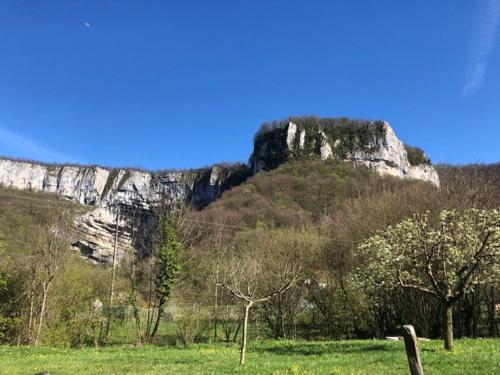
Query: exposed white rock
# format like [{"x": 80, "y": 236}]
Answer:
[
  {"x": 290, "y": 135},
  {"x": 97, "y": 228},
  {"x": 424, "y": 172},
  {"x": 390, "y": 158},
  {"x": 108, "y": 191},
  {"x": 214, "y": 176},
  {"x": 302, "y": 139},
  {"x": 325, "y": 148}
]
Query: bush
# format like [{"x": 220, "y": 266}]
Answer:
[
  {"x": 192, "y": 326},
  {"x": 75, "y": 320},
  {"x": 416, "y": 156}
]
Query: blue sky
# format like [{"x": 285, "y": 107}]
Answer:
[{"x": 181, "y": 84}]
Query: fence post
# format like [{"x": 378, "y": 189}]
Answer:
[{"x": 412, "y": 352}]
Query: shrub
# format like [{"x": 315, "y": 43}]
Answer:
[
  {"x": 416, "y": 156},
  {"x": 192, "y": 326}
]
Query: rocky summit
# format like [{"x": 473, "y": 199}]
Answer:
[
  {"x": 373, "y": 144},
  {"x": 114, "y": 196}
]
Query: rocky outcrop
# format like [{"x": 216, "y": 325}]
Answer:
[
  {"x": 124, "y": 200},
  {"x": 376, "y": 146},
  {"x": 116, "y": 195}
]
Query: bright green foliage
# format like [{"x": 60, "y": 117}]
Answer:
[
  {"x": 445, "y": 260},
  {"x": 76, "y": 320},
  {"x": 168, "y": 263}
]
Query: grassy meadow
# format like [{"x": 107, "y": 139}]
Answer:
[{"x": 264, "y": 357}]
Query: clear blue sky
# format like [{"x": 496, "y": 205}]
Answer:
[{"x": 186, "y": 83}]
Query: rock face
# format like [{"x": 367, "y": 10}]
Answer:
[
  {"x": 379, "y": 148},
  {"x": 124, "y": 200},
  {"x": 118, "y": 193}
]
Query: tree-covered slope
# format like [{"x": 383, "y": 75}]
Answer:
[{"x": 21, "y": 210}]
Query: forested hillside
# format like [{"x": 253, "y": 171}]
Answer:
[
  {"x": 343, "y": 206},
  {"x": 307, "y": 216},
  {"x": 77, "y": 283}
]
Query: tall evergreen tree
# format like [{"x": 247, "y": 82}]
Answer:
[{"x": 168, "y": 268}]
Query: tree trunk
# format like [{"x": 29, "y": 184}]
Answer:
[
  {"x": 282, "y": 321},
  {"x": 161, "y": 310},
  {"x": 236, "y": 333},
  {"x": 245, "y": 334},
  {"x": 448, "y": 326},
  {"x": 42, "y": 312},
  {"x": 149, "y": 320},
  {"x": 31, "y": 323},
  {"x": 492, "y": 324},
  {"x": 216, "y": 309},
  {"x": 135, "y": 308}
]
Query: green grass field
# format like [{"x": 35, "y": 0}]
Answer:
[{"x": 264, "y": 357}]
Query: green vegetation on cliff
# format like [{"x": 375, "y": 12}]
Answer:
[
  {"x": 416, "y": 156},
  {"x": 346, "y": 136}
]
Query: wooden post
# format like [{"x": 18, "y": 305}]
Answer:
[{"x": 412, "y": 351}]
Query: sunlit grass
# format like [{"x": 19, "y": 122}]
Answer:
[{"x": 264, "y": 357}]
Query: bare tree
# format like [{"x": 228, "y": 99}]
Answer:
[
  {"x": 49, "y": 254},
  {"x": 216, "y": 243},
  {"x": 263, "y": 265}
]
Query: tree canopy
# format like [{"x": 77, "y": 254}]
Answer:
[{"x": 443, "y": 259}]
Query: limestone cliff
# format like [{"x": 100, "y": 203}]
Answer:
[
  {"x": 124, "y": 191},
  {"x": 117, "y": 195}
]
